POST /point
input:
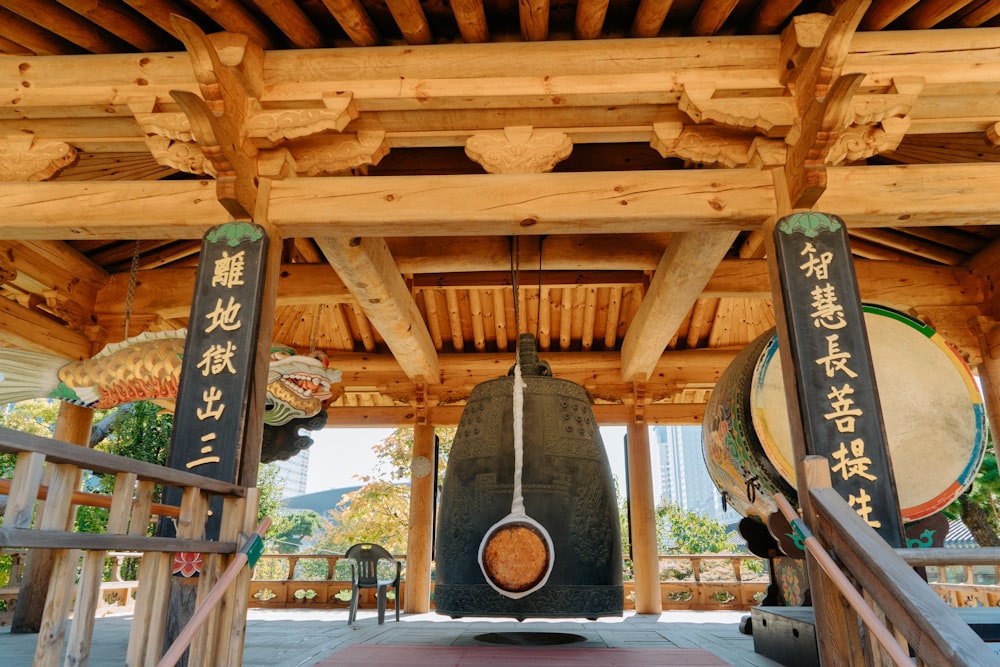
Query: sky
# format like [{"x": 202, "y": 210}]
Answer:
[{"x": 337, "y": 454}]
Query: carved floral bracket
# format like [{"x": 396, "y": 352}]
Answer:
[
  {"x": 24, "y": 158},
  {"x": 229, "y": 133}
]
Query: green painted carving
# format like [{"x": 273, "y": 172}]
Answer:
[
  {"x": 235, "y": 233},
  {"x": 809, "y": 223}
]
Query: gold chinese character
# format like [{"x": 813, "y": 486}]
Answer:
[
  {"x": 835, "y": 360},
  {"x": 217, "y": 359},
  {"x": 816, "y": 267},
  {"x": 853, "y": 467},
  {"x": 224, "y": 317},
  {"x": 211, "y": 396},
  {"x": 229, "y": 270},
  {"x": 863, "y": 508},
  {"x": 204, "y": 450},
  {"x": 843, "y": 414},
  {"x": 827, "y": 313}
]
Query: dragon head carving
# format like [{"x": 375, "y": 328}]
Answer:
[{"x": 298, "y": 385}]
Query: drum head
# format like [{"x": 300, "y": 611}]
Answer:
[{"x": 935, "y": 421}]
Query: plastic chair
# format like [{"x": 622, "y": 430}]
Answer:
[{"x": 364, "y": 559}]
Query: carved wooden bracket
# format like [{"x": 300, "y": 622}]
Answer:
[
  {"x": 282, "y": 124},
  {"x": 639, "y": 393},
  {"x": 519, "y": 150},
  {"x": 716, "y": 145},
  {"x": 239, "y": 138},
  {"x": 824, "y": 99},
  {"x": 66, "y": 309},
  {"x": 180, "y": 155},
  {"x": 880, "y": 122},
  {"x": 24, "y": 158},
  {"x": 770, "y": 116},
  {"x": 421, "y": 403},
  {"x": 339, "y": 153}
]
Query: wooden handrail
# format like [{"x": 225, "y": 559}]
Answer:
[
  {"x": 932, "y": 628},
  {"x": 884, "y": 636},
  {"x": 930, "y": 625},
  {"x": 65, "y": 539},
  {"x": 56, "y": 451},
  {"x": 94, "y": 500},
  {"x": 937, "y": 556}
]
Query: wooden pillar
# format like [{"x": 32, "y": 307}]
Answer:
[
  {"x": 421, "y": 528},
  {"x": 989, "y": 371},
  {"x": 72, "y": 425},
  {"x": 642, "y": 519}
]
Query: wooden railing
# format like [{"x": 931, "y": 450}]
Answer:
[
  {"x": 916, "y": 619},
  {"x": 130, "y": 510},
  {"x": 706, "y": 581}
]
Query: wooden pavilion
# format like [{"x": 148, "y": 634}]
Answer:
[{"x": 398, "y": 153}]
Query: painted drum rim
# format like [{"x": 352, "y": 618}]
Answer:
[{"x": 929, "y": 501}]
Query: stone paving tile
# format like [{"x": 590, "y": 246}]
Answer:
[{"x": 302, "y": 638}]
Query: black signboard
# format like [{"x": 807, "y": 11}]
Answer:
[
  {"x": 838, "y": 398},
  {"x": 219, "y": 352}
]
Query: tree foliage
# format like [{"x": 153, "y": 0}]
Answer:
[
  {"x": 379, "y": 511},
  {"x": 684, "y": 531},
  {"x": 979, "y": 506}
]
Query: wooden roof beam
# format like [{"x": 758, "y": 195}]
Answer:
[
  {"x": 121, "y": 22},
  {"x": 293, "y": 22},
  {"x": 370, "y": 274},
  {"x": 952, "y": 195},
  {"x": 448, "y": 415},
  {"x": 234, "y": 17},
  {"x": 353, "y": 18},
  {"x": 471, "y": 19},
  {"x": 61, "y": 21},
  {"x": 686, "y": 266},
  {"x": 166, "y": 293},
  {"x": 42, "y": 42},
  {"x": 30, "y": 329}
]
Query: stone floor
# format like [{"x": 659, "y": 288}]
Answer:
[{"x": 301, "y": 638}]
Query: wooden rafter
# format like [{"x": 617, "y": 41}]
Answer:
[
  {"x": 680, "y": 277},
  {"x": 368, "y": 271}
]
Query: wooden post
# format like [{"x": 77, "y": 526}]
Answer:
[
  {"x": 92, "y": 572},
  {"x": 421, "y": 528},
  {"x": 149, "y": 578},
  {"x": 989, "y": 371},
  {"x": 241, "y": 588},
  {"x": 72, "y": 425},
  {"x": 62, "y": 572},
  {"x": 642, "y": 518}
]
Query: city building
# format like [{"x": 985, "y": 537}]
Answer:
[{"x": 684, "y": 478}]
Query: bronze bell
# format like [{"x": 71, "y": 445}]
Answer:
[{"x": 568, "y": 494}]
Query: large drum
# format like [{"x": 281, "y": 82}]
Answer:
[{"x": 935, "y": 422}]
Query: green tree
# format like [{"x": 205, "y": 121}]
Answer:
[
  {"x": 979, "y": 506},
  {"x": 689, "y": 532},
  {"x": 379, "y": 511}
]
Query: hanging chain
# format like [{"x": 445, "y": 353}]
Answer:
[
  {"x": 515, "y": 270},
  {"x": 130, "y": 294},
  {"x": 315, "y": 329},
  {"x": 538, "y": 313}
]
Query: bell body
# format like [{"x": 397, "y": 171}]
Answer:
[{"x": 567, "y": 487}]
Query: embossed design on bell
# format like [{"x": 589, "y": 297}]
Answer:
[{"x": 567, "y": 488}]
